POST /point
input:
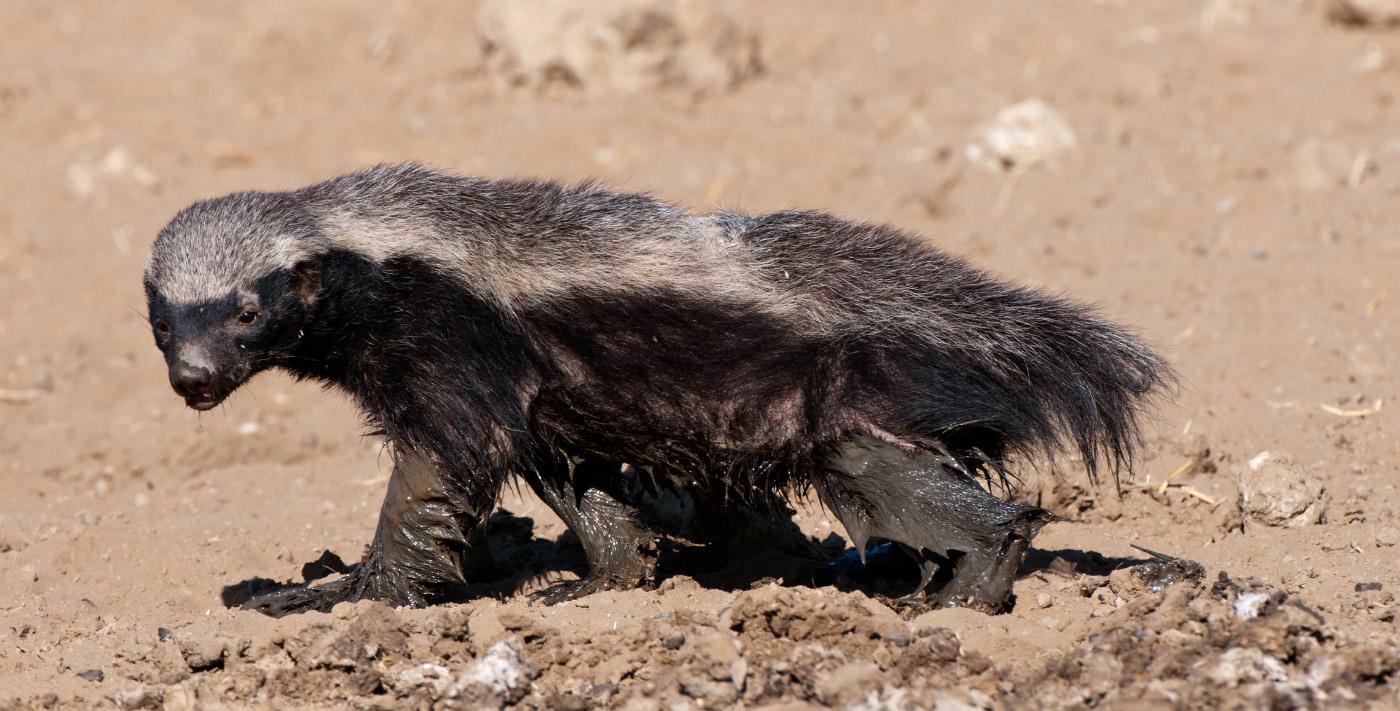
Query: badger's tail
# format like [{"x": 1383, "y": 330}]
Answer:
[
  {"x": 960, "y": 359},
  {"x": 1034, "y": 375}
]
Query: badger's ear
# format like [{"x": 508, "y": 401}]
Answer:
[{"x": 306, "y": 279}]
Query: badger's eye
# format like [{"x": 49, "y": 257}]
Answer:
[
  {"x": 248, "y": 316},
  {"x": 162, "y": 328}
]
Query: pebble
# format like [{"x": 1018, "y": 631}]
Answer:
[
  {"x": 91, "y": 675},
  {"x": 943, "y": 644},
  {"x": 898, "y": 639},
  {"x": 164, "y": 634},
  {"x": 1251, "y": 605},
  {"x": 1276, "y": 491},
  {"x": 541, "y": 44},
  {"x": 673, "y": 641},
  {"x": 1367, "y": 587},
  {"x": 1021, "y": 136}
]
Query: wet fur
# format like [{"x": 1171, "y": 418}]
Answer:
[{"x": 496, "y": 325}]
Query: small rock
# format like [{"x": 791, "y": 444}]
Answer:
[
  {"x": 848, "y": 684},
  {"x": 673, "y": 641},
  {"x": 434, "y": 677},
  {"x": 1021, "y": 136},
  {"x": 1042, "y": 600},
  {"x": 142, "y": 698},
  {"x": 944, "y": 645},
  {"x": 1247, "y": 665},
  {"x": 502, "y": 669},
  {"x": 1367, "y": 587},
  {"x": 179, "y": 698},
  {"x": 164, "y": 635},
  {"x": 898, "y": 639},
  {"x": 91, "y": 675},
  {"x": 616, "y": 46},
  {"x": 1252, "y": 604},
  {"x": 1275, "y": 491},
  {"x": 203, "y": 654},
  {"x": 1322, "y": 164}
]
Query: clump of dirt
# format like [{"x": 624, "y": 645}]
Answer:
[
  {"x": 1276, "y": 491},
  {"x": 1219, "y": 647},
  {"x": 617, "y": 46}
]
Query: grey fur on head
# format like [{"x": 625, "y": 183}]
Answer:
[{"x": 216, "y": 246}]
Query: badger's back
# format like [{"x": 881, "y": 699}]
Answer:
[{"x": 900, "y": 339}]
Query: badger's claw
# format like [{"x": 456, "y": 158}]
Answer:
[
  {"x": 583, "y": 587},
  {"x": 300, "y": 599},
  {"x": 356, "y": 585}
]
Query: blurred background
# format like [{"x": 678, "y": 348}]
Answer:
[{"x": 1222, "y": 176}]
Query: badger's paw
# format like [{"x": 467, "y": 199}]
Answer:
[
  {"x": 592, "y": 583},
  {"x": 356, "y": 585}
]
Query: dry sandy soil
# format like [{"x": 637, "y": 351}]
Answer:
[{"x": 1232, "y": 194}]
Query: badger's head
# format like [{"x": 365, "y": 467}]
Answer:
[{"x": 230, "y": 286}]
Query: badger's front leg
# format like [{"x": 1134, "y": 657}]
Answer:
[
  {"x": 619, "y": 547},
  {"x": 428, "y": 542}
]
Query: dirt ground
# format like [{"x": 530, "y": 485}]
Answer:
[{"x": 1231, "y": 193}]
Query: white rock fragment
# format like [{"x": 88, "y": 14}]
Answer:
[
  {"x": 1373, "y": 59},
  {"x": 430, "y": 676},
  {"x": 1275, "y": 491},
  {"x": 502, "y": 669},
  {"x": 616, "y": 46},
  {"x": 1320, "y": 164},
  {"x": 1250, "y": 605},
  {"x": 86, "y": 179},
  {"x": 1247, "y": 665},
  {"x": 1021, "y": 136},
  {"x": 972, "y": 700}
]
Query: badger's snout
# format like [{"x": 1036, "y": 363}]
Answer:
[
  {"x": 194, "y": 383},
  {"x": 196, "y": 379}
]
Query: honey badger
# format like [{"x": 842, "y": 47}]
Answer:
[{"x": 497, "y": 328}]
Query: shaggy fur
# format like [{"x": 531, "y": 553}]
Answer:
[{"x": 494, "y": 325}]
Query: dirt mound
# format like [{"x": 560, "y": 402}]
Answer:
[
  {"x": 1167, "y": 638},
  {"x": 617, "y": 46}
]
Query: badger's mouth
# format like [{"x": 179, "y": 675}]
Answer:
[
  {"x": 204, "y": 401},
  {"x": 212, "y": 395}
]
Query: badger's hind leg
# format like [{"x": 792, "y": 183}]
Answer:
[
  {"x": 961, "y": 535},
  {"x": 620, "y": 549},
  {"x": 427, "y": 543}
]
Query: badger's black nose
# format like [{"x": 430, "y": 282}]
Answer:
[{"x": 190, "y": 380}]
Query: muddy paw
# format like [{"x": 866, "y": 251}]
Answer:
[
  {"x": 575, "y": 589},
  {"x": 295, "y": 600},
  {"x": 354, "y": 586}
]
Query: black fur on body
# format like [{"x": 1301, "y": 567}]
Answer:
[{"x": 495, "y": 328}]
